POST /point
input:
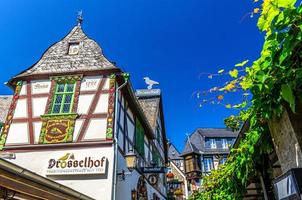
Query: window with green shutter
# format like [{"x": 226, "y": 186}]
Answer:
[
  {"x": 139, "y": 138},
  {"x": 63, "y": 98},
  {"x": 156, "y": 157}
]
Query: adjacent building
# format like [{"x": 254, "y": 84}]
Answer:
[
  {"x": 5, "y": 101},
  {"x": 205, "y": 149},
  {"x": 75, "y": 119},
  {"x": 177, "y": 185}
]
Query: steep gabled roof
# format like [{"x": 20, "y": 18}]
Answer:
[
  {"x": 173, "y": 153},
  {"x": 193, "y": 144},
  {"x": 196, "y": 141},
  {"x": 149, "y": 100},
  {"x": 57, "y": 60},
  {"x": 5, "y": 102}
]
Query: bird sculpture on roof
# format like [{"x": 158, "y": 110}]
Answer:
[{"x": 150, "y": 82}]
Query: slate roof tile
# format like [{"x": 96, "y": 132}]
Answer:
[
  {"x": 196, "y": 141},
  {"x": 173, "y": 153},
  {"x": 57, "y": 60},
  {"x": 150, "y": 104},
  {"x": 5, "y": 102}
]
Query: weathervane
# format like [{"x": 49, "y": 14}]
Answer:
[
  {"x": 80, "y": 17},
  {"x": 150, "y": 82}
]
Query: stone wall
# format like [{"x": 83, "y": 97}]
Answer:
[{"x": 286, "y": 132}]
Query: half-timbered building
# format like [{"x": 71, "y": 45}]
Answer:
[
  {"x": 74, "y": 118},
  {"x": 205, "y": 149}
]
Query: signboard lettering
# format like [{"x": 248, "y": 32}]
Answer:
[
  {"x": 153, "y": 169},
  {"x": 70, "y": 165}
]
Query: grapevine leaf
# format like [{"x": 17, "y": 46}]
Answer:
[
  {"x": 220, "y": 71},
  {"x": 228, "y": 106},
  {"x": 288, "y": 96},
  {"x": 242, "y": 63},
  {"x": 234, "y": 73},
  {"x": 285, "y": 3}
]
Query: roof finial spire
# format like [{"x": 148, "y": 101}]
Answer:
[
  {"x": 80, "y": 18},
  {"x": 188, "y": 136}
]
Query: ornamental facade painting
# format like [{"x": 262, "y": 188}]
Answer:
[
  {"x": 58, "y": 124},
  {"x": 10, "y": 114},
  {"x": 110, "y": 113},
  {"x": 142, "y": 192}
]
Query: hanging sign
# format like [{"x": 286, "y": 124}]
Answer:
[
  {"x": 69, "y": 164},
  {"x": 154, "y": 170},
  {"x": 153, "y": 179}
]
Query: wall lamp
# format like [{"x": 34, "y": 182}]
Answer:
[{"x": 131, "y": 161}]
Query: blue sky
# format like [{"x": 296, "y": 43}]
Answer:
[{"x": 171, "y": 41}]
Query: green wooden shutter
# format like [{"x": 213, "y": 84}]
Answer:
[{"x": 139, "y": 138}]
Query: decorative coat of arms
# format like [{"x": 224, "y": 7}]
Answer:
[{"x": 58, "y": 129}]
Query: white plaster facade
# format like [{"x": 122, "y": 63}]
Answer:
[
  {"x": 89, "y": 136},
  {"x": 95, "y": 186}
]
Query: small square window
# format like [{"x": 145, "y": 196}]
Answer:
[{"x": 73, "y": 48}]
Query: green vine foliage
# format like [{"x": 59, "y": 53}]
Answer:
[{"x": 274, "y": 79}]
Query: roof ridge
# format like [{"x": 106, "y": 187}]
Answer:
[
  {"x": 55, "y": 58},
  {"x": 174, "y": 147}
]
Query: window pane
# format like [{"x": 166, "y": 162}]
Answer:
[
  {"x": 218, "y": 143},
  {"x": 58, "y": 99},
  {"x": 60, "y": 87},
  {"x": 222, "y": 160},
  {"x": 230, "y": 141},
  {"x": 56, "y": 109},
  {"x": 224, "y": 144},
  {"x": 69, "y": 87},
  {"x": 208, "y": 164},
  {"x": 63, "y": 97},
  {"x": 66, "y": 108},
  {"x": 68, "y": 98},
  {"x": 208, "y": 143},
  {"x": 213, "y": 144},
  {"x": 189, "y": 165}
]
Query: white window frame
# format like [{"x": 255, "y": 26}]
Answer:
[
  {"x": 225, "y": 144},
  {"x": 213, "y": 144}
]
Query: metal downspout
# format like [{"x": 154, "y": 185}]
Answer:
[{"x": 115, "y": 142}]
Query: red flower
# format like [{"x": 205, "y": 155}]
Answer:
[{"x": 170, "y": 175}]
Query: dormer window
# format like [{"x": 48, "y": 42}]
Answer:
[
  {"x": 210, "y": 143},
  {"x": 73, "y": 48},
  {"x": 225, "y": 144}
]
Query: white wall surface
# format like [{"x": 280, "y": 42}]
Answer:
[
  {"x": 38, "y": 106},
  {"x": 84, "y": 103},
  {"x": 77, "y": 129},
  {"x": 40, "y": 86},
  {"x": 96, "y": 129},
  {"x": 37, "y": 130},
  {"x": 106, "y": 86},
  {"x": 21, "y": 109},
  {"x": 18, "y": 134},
  {"x": 102, "y": 105},
  {"x": 90, "y": 83},
  {"x": 23, "y": 89},
  {"x": 95, "y": 186}
]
